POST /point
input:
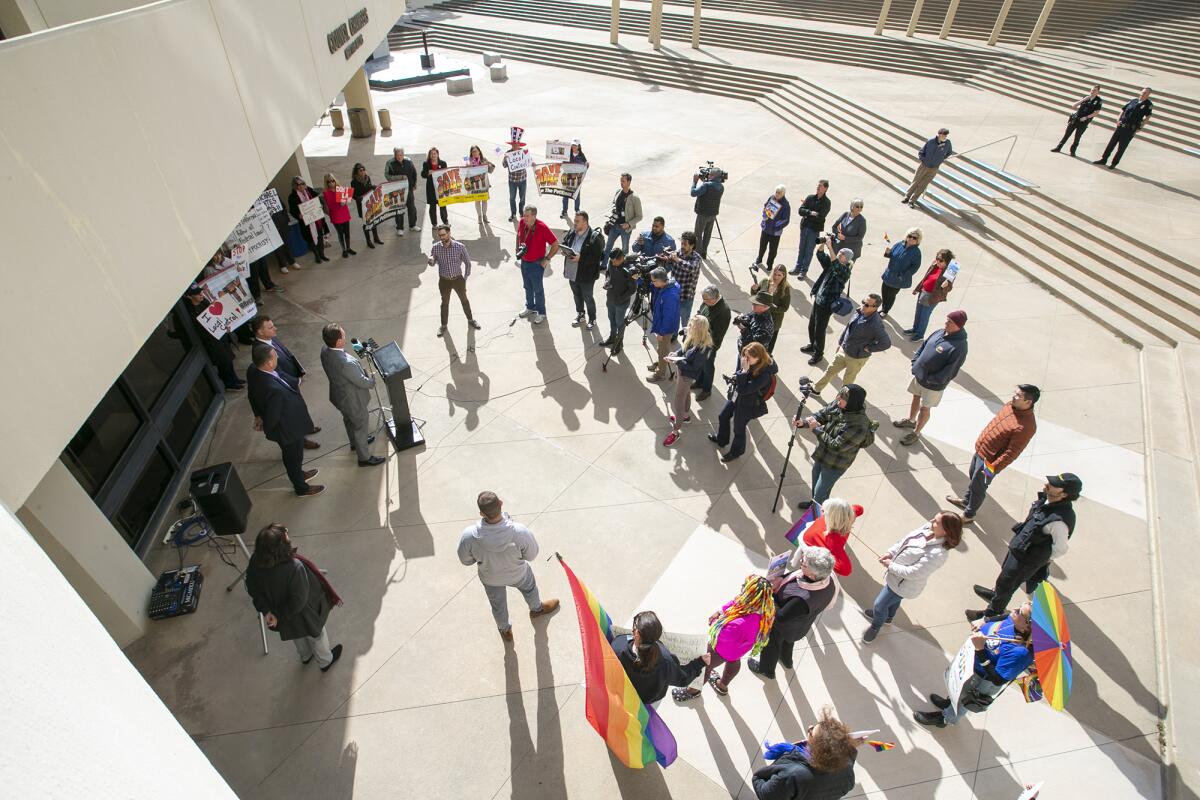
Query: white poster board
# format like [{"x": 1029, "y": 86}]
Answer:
[
  {"x": 310, "y": 211},
  {"x": 256, "y": 231},
  {"x": 230, "y": 303},
  {"x": 685, "y": 646},
  {"x": 515, "y": 160},
  {"x": 960, "y": 669},
  {"x": 557, "y": 150}
]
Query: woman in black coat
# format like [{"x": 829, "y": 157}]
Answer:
[
  {"x": 314, "y": 234},
  {"x": 821, "y": 769},
  {"x": 293, "y": 595},
  {"x": 362, "y": 185},
  {"x": 651, "y": 667},
  {"x": 431, "y": 164},
  {"x": 750, "y": 382}
]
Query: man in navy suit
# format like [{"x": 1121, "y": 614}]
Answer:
[
  {"x": 281, "y": 414},
  {"x": 265, "y": 332}
]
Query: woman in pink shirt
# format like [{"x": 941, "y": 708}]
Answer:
[
  {"x": 338, "y": 209},
  {"x": 741, "y": 627}
]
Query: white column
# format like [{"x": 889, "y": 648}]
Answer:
[
  {"x": 296, "y": 164},
  {"x": 999, "y": 26},
  {"x": 946, "y": 23},
  {"x": 883, "y": 15},
  {"x": 915, "y": 18},
  {"x": 656, "y": 11},
  {"x": 696, "y": 25},
  {"x": 1041, "y": 23},
  {"x": 21, "y": 17},
  {"x": 614, "y": 26}
]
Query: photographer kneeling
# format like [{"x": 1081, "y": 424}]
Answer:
[
  {"x": 664, "y": 305},
  {"x": 619, "y": 286},
  {"x": 747, "y": 399}
]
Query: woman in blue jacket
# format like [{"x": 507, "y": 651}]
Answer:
[
  {"x": 776, "y": 214},
  {"x": 903, "y": 261},
  {"x": 689, "y": 360},
  {"x": 746, "y": 402}
]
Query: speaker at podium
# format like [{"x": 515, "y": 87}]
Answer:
[{"x": 394, "y": 369}]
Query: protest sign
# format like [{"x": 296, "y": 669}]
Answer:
[
  {"x": 230, "y": 303},
  {"x": 685, "y": 646},
  {"x": 344, "y": 194},
  {"x": 385, "y": 201},
  {"x": 557, "y": 150},
  {"x": 256, "y": 232},
  {"x": 518, "y": 159},
  {"x": 960, "y": 669},
  {"x": 560, "y": 179},
  {"x": 461, "y": 184},
  {"x": 270, "y": 200},
  {"x": 310, "y": 211},
  {"x": 771, "y": 209}
]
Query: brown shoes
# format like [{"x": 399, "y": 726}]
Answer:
[
  {"x": 548, "y": 607},
  {"x": 309, "y": 474},
  {"x": 311, "y": 491},
  {"x": 309, "y": 444}
]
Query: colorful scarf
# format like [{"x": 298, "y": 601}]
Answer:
[{"x": 755, "y": 598}]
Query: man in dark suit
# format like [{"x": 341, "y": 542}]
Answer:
[
  {"x": 281, "y": 414},
  {"x": 265, "y": 332}
]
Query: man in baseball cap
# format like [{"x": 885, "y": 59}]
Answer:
[{"x": 1042, "y": 537}]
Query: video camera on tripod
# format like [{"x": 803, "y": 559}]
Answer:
[{"x": 709, "y": 172}]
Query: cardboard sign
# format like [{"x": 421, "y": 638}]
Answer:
[
  {"x": 557, "y": 150},
  {"x": 516, "y": 160},
  {"x": 560, "y": 179},
  {"x": 270, "y": 200},
  {"x": 310, "y": 211},
  {"x": 960, "y": 669},
  {"x": 385, "y": 201},
  {"x": 256, "y": 232},
  {"x": 230, "y": 303},
  {"x": 461, "y": 184}
]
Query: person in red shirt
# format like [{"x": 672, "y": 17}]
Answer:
[
  {"x": 339, "y": 211},
  {"x": 536, "y": 245},
  {"x": 832, "y": 531}
]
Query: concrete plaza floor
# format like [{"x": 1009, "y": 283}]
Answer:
[{"x": 427, "y": 702}]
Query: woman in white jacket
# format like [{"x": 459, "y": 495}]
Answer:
[{"x": 909, "y": 563}]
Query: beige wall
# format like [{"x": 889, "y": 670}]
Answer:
[{"x": 122, "y": 175}]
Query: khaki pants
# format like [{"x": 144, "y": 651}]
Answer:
[
  {"x": 664, "y": 349},
  {"x": 842, "y": 362},
  {"x": 459, "y": 285},
  {"x": 921, "y": 180}
]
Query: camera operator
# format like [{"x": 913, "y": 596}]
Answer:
[
  {"x": 756, "y": 326},
  {"x": 842, "y": 429},
  {"x": 707, "y": 187},
  {"x": 812, "y": 213},
  {"x": 685, "y": 268},
  {"x": 656, "y": 241},
  {"x": 585, "y": 241},
  {"x": 664, "y": 304},
  {"x": 825, "y": 292},
  {"x": 716, "y": 310},
  {"x": 619, "y": 285},
  {"x": 746, "y": 401},
  {"x": 349, "y": 392},
  {"x": 626, "y": 214}
]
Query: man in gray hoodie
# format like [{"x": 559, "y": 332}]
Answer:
[{"x": 503, "y": 549}]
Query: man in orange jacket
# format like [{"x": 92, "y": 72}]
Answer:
[{"x": 1000, "y": 444}]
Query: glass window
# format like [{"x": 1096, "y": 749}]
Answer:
[
  {"x": 151, "y": 369},
  {"x": 95, "y": 450},
  {"x": 187, "y": 419},
  {"x": 143, "y": 499}
]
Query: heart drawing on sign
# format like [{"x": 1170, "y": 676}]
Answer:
[{"x": 215, "y": 309}]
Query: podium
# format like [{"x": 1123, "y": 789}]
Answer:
[{"x": 393, "y": 367}]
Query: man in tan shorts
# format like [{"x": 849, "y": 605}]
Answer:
[{"x": 936, "y": 363}]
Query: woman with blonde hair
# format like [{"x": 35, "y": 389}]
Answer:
[
  {"x": 741, "y": 627},
  {"x": 747, "y": 400},
  {"x": 476, "y": 158},
  {"x": 832, "y": 531},
  {"x": 689, "y": 360},
  {"x": 339, "y": 212},
  {"x": 903, "y": 261}
]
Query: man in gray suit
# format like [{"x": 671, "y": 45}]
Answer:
[{"x": 349, "y": 391}]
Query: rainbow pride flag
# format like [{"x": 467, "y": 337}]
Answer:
[
  {"x": 879, "y": 746},
  {"x": 810, "y": 515},
  {"x": 633, "y": 731}
]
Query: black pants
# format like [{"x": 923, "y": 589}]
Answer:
[
  {"x": 433, "y": 212},
  {"x": 583, "y": 292},
  {"x": 767, "y": 244},
  {"x": 776, "y": 647},
  {"x": 283, "y": 255},
  {"x": 228, "y": 374},
  {"x": 709, "y": 371},
  {"x": 889, "y": 297},
  {"x": 411, "y": 205},
  {"x": 317, "y": 247},
  {"x": 343, "y": 234},
  {"x": 293, "y": 462},
  {"x": 704, "y": 228},
  {"x": 1076, "y": 127},
  {"x": 1121, "y": 138},
  {"x": 259, "y": 274},
  {"x": 817, "y": 321},
  {"x": 368, "y": 233},
  {"x": 740, "y": 420},
  {"x": 1013, "y": 573}
]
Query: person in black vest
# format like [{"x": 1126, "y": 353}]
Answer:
[
  {"x": 281, "y": 414},
  {"x": 800, "y": 597},
  {"x": 1085, "y": 110},
  {"x": 1041, "y": 538},
  {"x": 651, "y": 667},
  {"x": 812, "y": 213},
  {"x": 708, "y": 205},
  {"x": 1133, "y": 119},
  {"x": 823, "y": 769}
]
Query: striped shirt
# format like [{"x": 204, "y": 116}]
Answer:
[{"x": 453, "y": 260}]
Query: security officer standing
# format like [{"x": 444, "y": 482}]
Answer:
[
  {"x": 708, "y": 205},
  {"x": 1133, "y": 118},
  {"x": 1085, "y": 110}
]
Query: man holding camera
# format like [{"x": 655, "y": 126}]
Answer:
[
  {"x": 619, "y": 285},
  {"x": 536, "y": 245},
  {"x": 626, "y": 214},
  {"x": 716, "y": 310},
  {"x": 707, "y": 187},
  {"x": 685, "y": 268},
  {"x": 349, "y": 392},
  {"x": 842, "y": 429},
  {"x": 812, "y": 213},
  {"x": 656, "y": 241},
  {"x": 664, "y": 304},
  {"x": 757, "y": 326}
]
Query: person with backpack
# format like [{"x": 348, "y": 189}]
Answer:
[
  {"x": 749, "y": 390},
  {"x": 934, "y": 288},
  {"x": 825, "y": 292},
  {"x": 842, "y": 429}
]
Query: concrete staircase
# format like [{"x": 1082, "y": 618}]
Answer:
[{"x": 1176, "y": 122}]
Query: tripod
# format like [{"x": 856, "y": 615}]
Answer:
[
  {"x": 806, "y": 389},
  {"x": 724, "y": 249}
]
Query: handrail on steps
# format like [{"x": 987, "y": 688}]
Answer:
[{"x": 1004, "y": 167}]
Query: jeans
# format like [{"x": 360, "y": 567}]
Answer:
[
  {"x": 952, "y": 714},
  {"x": 740, "y": 420},
  {"x": 704, "y": 227},
  {"x": 309, "y": 646},
  {"x": 685, "y": 311},
  {"x": 705, "y": 382},
  {"x": 498, "y": 598},
  {"x": 823, "y": 479},
  {"x": 977, "y": 490},
  {"x": 532, "y": 274},
  {"x": 613, "y": 235},
  {"x": 921, "y": 317},
  {"x": 583, "y": 292},
  {"x": 808, "y": 243},
  {"x": 616, "y": 320},
  {"x": 887, "y": 603},
  {"x": 567, "y": 200},
  {"x": 515, "y": 187}
]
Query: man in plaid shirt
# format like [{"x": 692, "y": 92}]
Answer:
[
  {"x": 842, "y": 429},
  {"x": 454, "y": 267},
  {"x": 516, "y": 181},
  {"x": 685, "y": 268}
]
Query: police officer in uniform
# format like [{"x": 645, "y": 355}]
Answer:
[
  {"x": 1085, "y": 110},
  {"x": 1133, "y": 118}
]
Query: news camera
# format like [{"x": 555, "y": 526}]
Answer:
[{"x": 709, "y": 172}]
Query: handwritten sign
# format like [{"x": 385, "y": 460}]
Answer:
[
  {"x": 960, "y": 669},
  {"x": 310, "y": 211}
]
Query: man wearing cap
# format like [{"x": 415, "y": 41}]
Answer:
[
  {"x": 931, "y": 156},
  {"x": 1001, "y": 443},
  {"x": 936, "y": 363},
  {"x": 842, "y": 429},
  {"x": 756, "y": 326},
  {"x": 517, "y": 176},
  {"x": 1042, "y": 537},
  {"x": 1133, "y": 119}
]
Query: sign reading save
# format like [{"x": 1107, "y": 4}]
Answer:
[{"x": 342, "y": 34}]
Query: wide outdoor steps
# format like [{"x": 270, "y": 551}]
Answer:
[
  {"x": 1138, "y": 292},
  {"x": 1175, "y": 125}
]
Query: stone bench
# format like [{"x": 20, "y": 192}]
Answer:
[
  {"x": 499, "y": 72},
  {"x": 459, "y": 84},
  {"x": 490, "y": 58}
]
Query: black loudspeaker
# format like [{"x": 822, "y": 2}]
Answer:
[{"x": 220, "y": 496}]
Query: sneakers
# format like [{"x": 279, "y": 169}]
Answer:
[
  {"x": 655, "y": 378},
  {"x": 904, "y": 423},
  {"x": 283, "y": 270},
  {"x": 686, "y": 419},
  {"x": 474, "y": 324},
  {"x": 441, "y": 331},
  {"x": 957, "y": 502},
  {"x": 578, "y": 323},
  {"x": 277, "y": 289},
  {"x": 309, "y": 474},
  {"x": 548, "y": 607},
  {"x": 337, "y": 653},
  {"x": 512, "y": 217},
  {"x": 815, "y": 359},
  {"x": 652, "y": 367},
  {"x": 910, "y": 438},
  {"x": 538, "y": 319},
  {"x": 399, "y": 231},
  {"x": 591, "y": 324},
  {"x": 672, "y": 438},
  {"x": 529, "y": 312},
  {"x": 417, "y": 227},
  {"x": 712, "y": 437}
]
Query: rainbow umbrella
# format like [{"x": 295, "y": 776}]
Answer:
[{"x": 1052, "y": 645}]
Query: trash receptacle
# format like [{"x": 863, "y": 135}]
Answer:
[
  {"x": 335, "y": 116},
  {"x": 385, "y": 119},
  {"x": 361, "y": 124}
]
